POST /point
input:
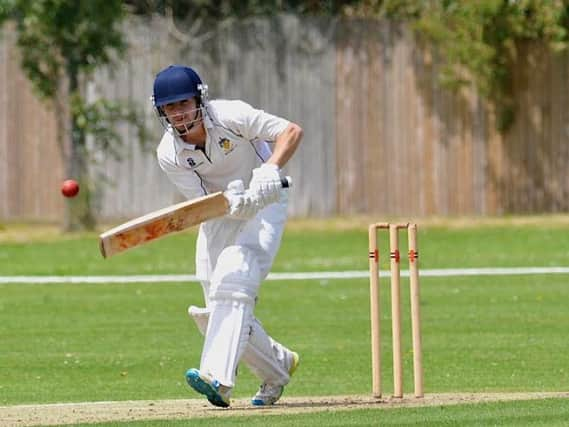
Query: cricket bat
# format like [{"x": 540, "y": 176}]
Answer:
[{"x": 165, "y": 221}]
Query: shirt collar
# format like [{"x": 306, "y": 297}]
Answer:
[{"x": 179, "y": 145}]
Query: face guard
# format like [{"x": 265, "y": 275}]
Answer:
[{"x": 181, "y": 120}]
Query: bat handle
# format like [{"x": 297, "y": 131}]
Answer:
[{"x": 286, "y": 182}]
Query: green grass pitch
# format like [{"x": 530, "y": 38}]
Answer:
[{"x": 106, "y": 342}]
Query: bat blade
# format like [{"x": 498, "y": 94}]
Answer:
[{"x": 161, "y": 223}]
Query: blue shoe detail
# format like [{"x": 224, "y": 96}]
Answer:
[
  {"x": 207, "y": 387},
  {"x": 267, "y": 396}
]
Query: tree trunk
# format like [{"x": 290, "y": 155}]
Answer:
[{"x": 78, "y": 214}]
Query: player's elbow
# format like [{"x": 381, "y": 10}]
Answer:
[{"x": 295, "y": 133}]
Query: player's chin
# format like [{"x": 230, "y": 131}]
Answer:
[{"x": 182, "y": 130}]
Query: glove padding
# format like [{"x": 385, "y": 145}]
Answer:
[
  {"x": 242, "y": 204},
  {"x": 266, "y": 183}
]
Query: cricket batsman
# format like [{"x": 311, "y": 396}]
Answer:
[{"x": 223, "y": 145}]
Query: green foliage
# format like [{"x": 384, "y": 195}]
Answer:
[
  {"x": 101, "y": 118},
  {"x": 6, "y": 9},
  {"x": 217, "y": 10},
  {"x": 67, "y": 40},
  {"x": 61, "y": 43},
  {"x": 479, "y": 41},
  {"x": 396, "y": 9},
  {"x": 66, "y": 37}
]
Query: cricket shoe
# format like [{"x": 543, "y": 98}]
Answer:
[
  {"x": 268, "y": 394},
  {"x": 216, "y": 393}
]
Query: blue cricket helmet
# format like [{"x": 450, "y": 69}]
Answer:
[{"x": 176, "y": 83}]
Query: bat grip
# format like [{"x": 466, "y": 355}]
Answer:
[{"x": 286, "y": 182}]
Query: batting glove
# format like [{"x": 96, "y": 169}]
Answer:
[
  {"x": 266, "y": 183},
  {"x": 242, "y": 205}
]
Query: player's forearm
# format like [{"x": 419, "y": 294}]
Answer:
[{"x": 286, "y": 144}]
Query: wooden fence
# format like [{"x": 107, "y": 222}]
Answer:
[
  {"x": 381, "y": 136},
  {"x": 30, "y": 165}
]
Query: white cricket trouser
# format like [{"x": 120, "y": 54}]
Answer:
[{"x": 233, "y": 257}]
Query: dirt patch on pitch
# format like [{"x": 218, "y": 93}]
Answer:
[{"x": 98, "y": 412}]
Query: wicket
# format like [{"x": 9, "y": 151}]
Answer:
[{"x": 395, "y": 308}]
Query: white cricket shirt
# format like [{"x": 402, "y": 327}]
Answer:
[{"x": 236, "y": 143}]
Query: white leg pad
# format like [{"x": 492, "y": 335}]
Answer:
[
  {"x": 263, "y": 355},
  {"x": 226, "y": 337},
  {"x": 206, "y": 286},
  {"x": 200, "y": 316},
  {"x": 266, "y": 357},
  {"x": 234, "y": 287}
]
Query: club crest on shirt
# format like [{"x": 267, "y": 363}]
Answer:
[{"x": 226, "y": 145}]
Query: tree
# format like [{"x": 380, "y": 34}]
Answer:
[
  {"x": 483, "y": 42},
  {"x": 223, "y": 9},
  {"x": 62, "y": 42},
  {"x": 202, "y": 18},
  {"x": 479, "y": 41}
]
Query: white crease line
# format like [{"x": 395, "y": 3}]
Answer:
[{"x": 316, "y": 275}]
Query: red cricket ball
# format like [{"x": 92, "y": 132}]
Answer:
[{"x": 69, "y": 188}]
